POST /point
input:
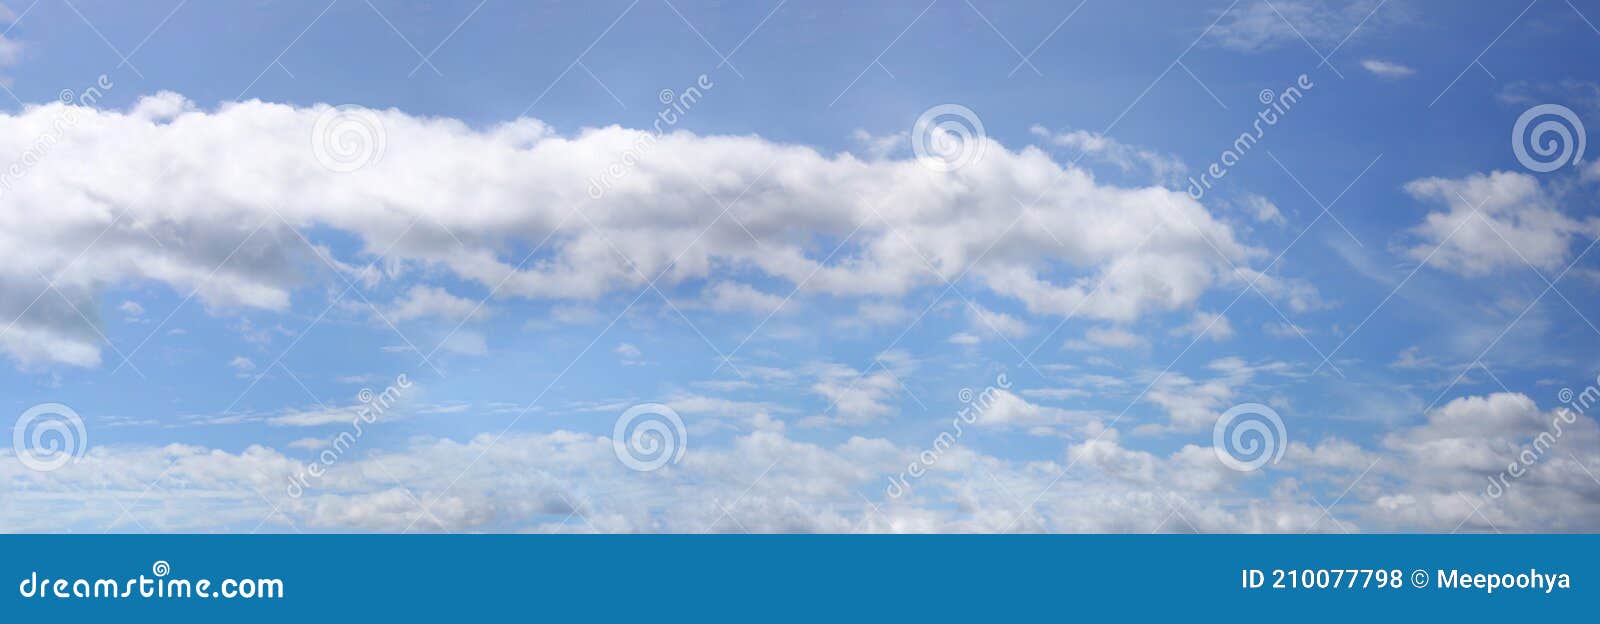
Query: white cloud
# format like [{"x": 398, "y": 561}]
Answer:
[
  {"x": 1207, "y": 325},
  {"x": 736, "y": 297},
  {"x": 1462, "y": 456},
  {"x": 1386, "y": 69},
  {"x": 877, "y": 313},
  {"x": 525, "y": 180},
  {"x": 571, "y": 481},
  {"x": 131, "y": 308},
  {"x": 242, "y": 364},
  {"x": 465, "y": 342},
  {"x": 880, "y": 147},
  {"x": 1194, "y": 405},
  {"x": 10, "y": 51},
  {"x": 1494, "y": 222},
  {"x": 422, "y": 302},
  {"x": 1055, "y": 394},
  {"x": 1280, "y": 329},
  {"x": 986, "y": 321},
  {"x": 1257, "y": 25},
  {"x": 963, "y": 338},
  {"x": 857, "y": 398},
  {"x": 1263, "y": 209},
  {"x": 1110, "y": 337},
  {"x": 1581, "y": 95},
  {"x": 1003, "y": 409},
  {"x": 768, "y": 482},
  {"x": 1158, "y": 168},
  {"x": 628, "y": 352}
]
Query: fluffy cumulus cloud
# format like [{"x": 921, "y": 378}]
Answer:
[
  {"x": 1521, "y": 467},
  {"x": 225, "y": 203},
  {"x": 1493, "y": 222}
]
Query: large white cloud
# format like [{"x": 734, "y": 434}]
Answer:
[
  {"x": 1496, "y": 221},
  {"x": 217, "y": 202}
]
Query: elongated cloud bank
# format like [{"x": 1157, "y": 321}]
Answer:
[
  {"x": 228, "y": 204},
  {"x": 1446, "y": 473}
]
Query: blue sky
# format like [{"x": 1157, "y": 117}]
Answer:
[{"x": 1375, "y": 270}]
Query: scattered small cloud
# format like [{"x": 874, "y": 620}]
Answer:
[
  {"x": 465, "y": 342},
  {"x": 1579, "y": 95},
  {"x": 963, "y": 338},
  {"x": 309, "y": 444},
  {"x": 985, "y": 320},
  {"x": 736, "y": 297},
  {"x": 1260, "y": 26},
  {"x": 629, "y": 353},
  {"x": 1158, "y": 167},
  {"x": 132, "y": 311},
  {"x": 1262, "y": 209},
  {"x": 875, "y": 314},
  {"x": 877, "y": 147},
  {"x": 1206, "y": 325},
  {"x": 1280, "y": 329},
  {"x": 1387, "y": 69},
  {"x": 1106, "y": 337},
  {"x": 432, "y": 302}
]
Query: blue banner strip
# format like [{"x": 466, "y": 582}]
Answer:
[{"x": 640, "y": 578}]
